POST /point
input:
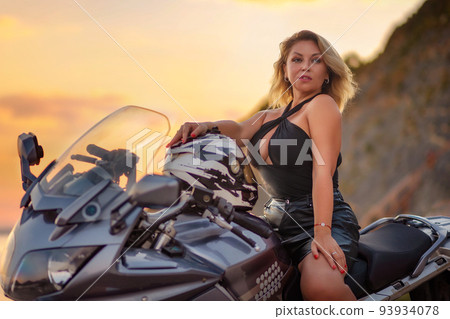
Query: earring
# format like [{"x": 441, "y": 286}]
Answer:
[
  {"x": 286, "y": 79},
  {"x": 326, "y": 81}
]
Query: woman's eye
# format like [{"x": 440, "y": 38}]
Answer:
[
  {"x": 296, "y": 60},
  {"x": 316, "y": 60}
]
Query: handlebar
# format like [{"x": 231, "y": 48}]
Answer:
[
  {"x": 219, "y": 211},
  {"x": 97, "y": 151},
  {"x": 252, "y": 223}
]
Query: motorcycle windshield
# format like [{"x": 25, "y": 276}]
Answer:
[{"x": 123, "y": 147}]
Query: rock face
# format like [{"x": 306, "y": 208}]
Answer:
[
  {"x": 396, "y": 132},
  {"x": 396, "y": 139}
]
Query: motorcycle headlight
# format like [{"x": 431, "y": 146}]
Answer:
[{"x": 46, "y": 271}]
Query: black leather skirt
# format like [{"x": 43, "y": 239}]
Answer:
[{"x": 295, "y": 223}]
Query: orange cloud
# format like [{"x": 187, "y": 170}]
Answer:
[
  {"x": 275, "y": 2},
  {"x": 11, "y": 28},
  {"x": 34, "y": 109}
]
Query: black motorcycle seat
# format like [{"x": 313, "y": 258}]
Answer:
[
  {"x": 392, "y": 252},
  {"x": 356, "y": 278}
]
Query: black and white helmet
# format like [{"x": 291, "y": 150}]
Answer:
[{"x": 214, "y": 161}]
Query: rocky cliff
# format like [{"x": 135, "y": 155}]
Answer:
[
  {"x": 396, "y": 139},
  {"x": 396, "y": 132}
]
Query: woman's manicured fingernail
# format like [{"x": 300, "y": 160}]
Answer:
[
  {"x": 193, "y": 135},
  {"x": 316, "y": 256},
  {"x": 183, "y": 141},
  {"x": 342, "y": 271},
  {"x": 345, "y": 266},
  {"x": 334, "y": 267}
]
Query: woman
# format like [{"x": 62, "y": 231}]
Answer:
[{"x": 318, "y": 228}]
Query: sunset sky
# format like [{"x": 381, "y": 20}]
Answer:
[{"x": 61, "y": 72}]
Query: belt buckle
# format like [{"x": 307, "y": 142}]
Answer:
[
  {"x": 268, "y": 203},
  {"x": 274, "y": 212}
]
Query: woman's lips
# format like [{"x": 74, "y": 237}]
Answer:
[{"x": 304, "y": 78}]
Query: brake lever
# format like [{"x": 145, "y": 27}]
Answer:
[
  {"x": 83, "y": 158},
  {"x": 212, "y": 214},
  {"x": 218, "y": 211},
  {"x": 248, "y": 240}
]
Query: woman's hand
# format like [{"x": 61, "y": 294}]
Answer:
[
  {"x": 189, "y": 129},
  {"x": 327, "y": 246}
]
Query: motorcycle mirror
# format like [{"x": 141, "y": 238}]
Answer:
[
  {"x": 29, "y": 148},
  {"x": 30, "y": 153},
  {"x": 155, "y": 190}
]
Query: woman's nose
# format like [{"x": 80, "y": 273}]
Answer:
[{"x": 304, "y": 65}]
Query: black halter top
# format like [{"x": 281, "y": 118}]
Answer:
[{"x": 289, "y": 148}]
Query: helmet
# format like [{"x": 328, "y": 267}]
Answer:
[{"x": 214, "y": 161}]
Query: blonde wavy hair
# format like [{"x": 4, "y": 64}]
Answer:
[{"x": 341, "y": 87}]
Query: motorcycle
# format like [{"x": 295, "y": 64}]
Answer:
[{"x": 102, "y": 223}]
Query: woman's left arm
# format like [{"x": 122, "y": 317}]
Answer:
[{"x": 324, "y": 121}]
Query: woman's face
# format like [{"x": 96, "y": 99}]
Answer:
[{"x": 305, "y": 68}]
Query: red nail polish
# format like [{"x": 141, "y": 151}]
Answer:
[
  {"x": 342, "y": 271},
  {"x": 316, "y": 256},
  {"x": 345, "y": 266},
  {"x": 193, "y": 135},
  {"x": 183, "y": 141},
  {"x": 334, "y": 267}
]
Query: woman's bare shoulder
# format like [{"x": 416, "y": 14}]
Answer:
[
  {"x": 322, "y": 106},
  {"x": 272, "y": 114},
  {"x": 323, "y": 116},
  {"x": 250, "y": 126}
]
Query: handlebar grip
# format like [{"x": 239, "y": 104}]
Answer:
[
  {"x": 97, "y": 151},
  {"x": 252, "y": 223}
]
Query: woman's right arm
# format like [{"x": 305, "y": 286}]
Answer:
[{"x": 232, "y": 129}]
